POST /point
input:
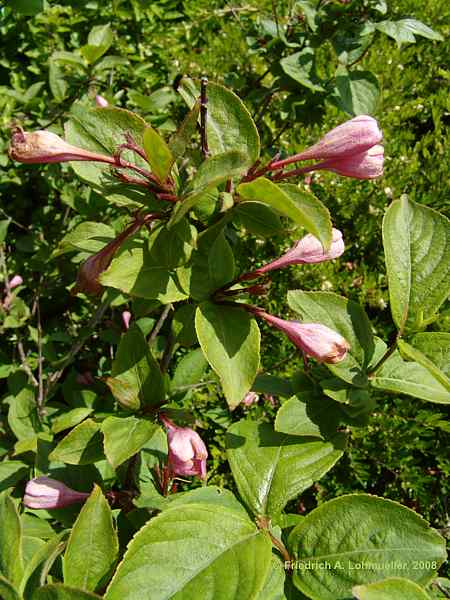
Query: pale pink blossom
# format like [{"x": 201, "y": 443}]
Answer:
[
  {"x": 313, "y": 339},
  {"x": 352, "y": 137},
  {"x": 250, "y": 398},
  {"x": 47, "y": 147},
  {"x": 364, "y": 165},
  {"x": 100, "y": 101},
  {"x": 126, "y": 318},
  {"x": 308, "y": 250},
  {"x": 187, "y": 451},
  {"x": 15, "y": 281},
  {"x": 44, "y": 492}
]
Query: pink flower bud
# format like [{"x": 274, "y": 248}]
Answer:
[
  {"x": 44, "y": 492},
  {"x": 352, "y": 137},
  {"x": 313, "y": 339},
  {"x": 15, "y": 281},
  {"x": 47, "y": 147},
  {"x": 100, "y": 101},
  {"x": 308, "y": 250},
  {"x": 250, "y": 398},
  {"x": 126, "y": 318},
  {"x": 365, "y": 165},
  {"x": 89, "y": 272},
  {"x": 187, "y": 451}
]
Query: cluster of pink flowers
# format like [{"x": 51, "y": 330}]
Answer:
[{"x": 352, "y": 149}]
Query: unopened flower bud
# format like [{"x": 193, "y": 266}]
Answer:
[
  {"x": 47, "y": 493},
  {"x": 89, "y": 272},
  {"x": 15, "y": 281},
  {"x": 313, "y": 339},
  {"x": 250, "y": 398},
  {"x": 187, "y": 451},
  {"x": 100, "y": 101},
  {"x": 126, "y": 318},
  {"x": 365, "y": 165},
  {"x": 47, "y": 147},
  {"x": 352, "y": 137},
  {"x": 308, "y": 250}
]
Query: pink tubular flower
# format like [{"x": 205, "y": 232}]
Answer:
[
  {"x": 47, "y": 147},
  {"x": 250, "y": 398},
  {"x": 126, "y": 318},
  {"x": 15, "y": 281},
  {"x": 44, "y": 492},
  {"x": 364, "y": 165},
  {"x": 308, "y": 250},
  {"x": 100, "y": 101},
  {"x": 313, "y": 339},
  {"x": 187, "y": 451},
  {"x": 352, "y": 137}
]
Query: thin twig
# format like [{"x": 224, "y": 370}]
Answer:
[
  {"x": 40, "y": 397},
  {"x": 156, "y": 329},
  {"x": 25, "y": 365},
  {"x": 204, "y": 116}
]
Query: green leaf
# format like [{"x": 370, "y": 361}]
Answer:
[
  {"x": 274, "y": 586},
  {"x": 102, "y": 130},
  {"x": 409, "y": 378},
  {"x": 309, "y": 413},
  {"x": 213, "y": 171},
  {"x": 58, "y": 85},
  {"x": 258, "y": 219},
  {"x": 92, "y": 549},
  {"x": 410, "y": 353},
  {"x": 62, "y": 592},
  {"x": 11, "y": 472},
  {"x": 436, "y": 347},
  {"x": 384, "y": 538},
  {"x": 89, "y": 236},
  {"x": 394, "y": 588},
  {"x": 213, "y": 551},
  {"x": 134, "y": 272},
  {"x": 11, "y": 562},
  {"x": 303, "y": 208},
  {"x": 100, "y": 40},
  {"x": 183, "y": 325},
  {"x": 7, "y": 590},
  {"x": 200, "y": 285},
  {"x": 182, "y": 137},
  {"x": 37, "y": 569},
  {"x": 70, "y": 418},
  {"x": 82, "y": 446},
  {"x": 22, "y": 414},
  {"x": 347, "y": 318},
  {"x": 356, "y": 92},
  {"x": 406, "y": 30},
  {"x": 136, "y": 378},
  {"x": 221, "y": 266},
  {"x": 158, "y": 154},
  {"x": 229, "y": 123},
  {"x": 230, "y": 341},
  {"x": 189, "y": 371},
  {"x": 416, "y": 243},
  {"x": 69, "y": 58},
  {"x": 4, "y": 224},
  {"x": 301, "y": 66},
  {"x": 271, "y": 468},
  {"x": 124, "y": 437},
  {"x": 171, "y": 248}
]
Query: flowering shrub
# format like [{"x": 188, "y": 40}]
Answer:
[
  {"x": 175, "y": 255},
  {"x": 109, "y": 451}
]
